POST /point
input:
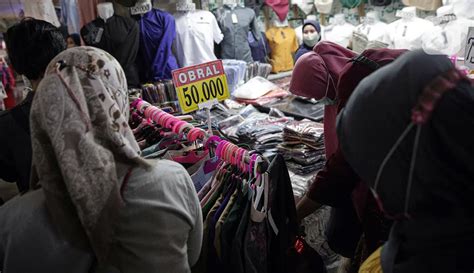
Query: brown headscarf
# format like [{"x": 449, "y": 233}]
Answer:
[{"x": 79, "y": 132}]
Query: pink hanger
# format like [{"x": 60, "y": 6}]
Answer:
[
  {"x": 135, "y": 103},
  {"x": 212, "y": 139}
]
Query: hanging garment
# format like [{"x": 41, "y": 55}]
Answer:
[
  {"x": 280, "y": 7},
  {"x": 70, "y": 16},
  {"x": 281, "y": 216},
  {"x": 338, "y": 33},
  {"x": 157, "y": 32},
  {"x": 428, "y": 5},
  {"x": 88, "y": 10},
  {"x": 375, "y": 31},
  {"x": 284, "y": 44},
  {"x": 260, "y": 48},
  {"x": 323, "y": 6},
  {"x": 256, "y": 5},
  {"x": 235, "y": 25},
  {"x": 305, "y": 5},
  {"x": 407, "y": 33},
  {"x": 41, "y": 10},
  {"x": 196, "y": 33},
  {"x": 119, "y": 36}
]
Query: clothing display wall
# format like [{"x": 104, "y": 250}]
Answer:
[
  {"x": 235, "y": 24},
  {"x": 155, "y": 57},
  {"x": 119, "y": 36},
  {"x": 196, "y": 33},
  {"x": 406, "y": 33},
  {"x": 284, "y": 44}
]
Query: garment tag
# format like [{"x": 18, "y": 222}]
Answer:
[
  {"x": 98, "y": 36},
  {"x": 404, "y": 14},
  {"x": 469, "y": 57},
  {"x": 140, "y": 9},
  {"x": 234, "y": 18}
]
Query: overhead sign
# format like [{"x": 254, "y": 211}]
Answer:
[
  {"x": 469, "y": 53},
  {"x": 199, "y": 86}
]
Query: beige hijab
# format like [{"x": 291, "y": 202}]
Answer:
[{"x": 79, "y": 133}]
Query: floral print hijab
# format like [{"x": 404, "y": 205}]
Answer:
[{"x": 79, "y": 127}]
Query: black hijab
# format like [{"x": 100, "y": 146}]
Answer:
[
  {"x": 438, "y": 234},
  {"x": 380, "y": 110}
]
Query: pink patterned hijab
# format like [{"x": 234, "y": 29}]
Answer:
[{"x": 79, "y": 133}]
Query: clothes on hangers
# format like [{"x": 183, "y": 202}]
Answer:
[
  {"x": 70, "y": 15},
  {"x": 155, "y": 59},
  {"x": 260, "y": 47},
  {"x": 196, "y": 33},
  {"x": 283, "y": 44},
  {"x": 235, "y": 24}
]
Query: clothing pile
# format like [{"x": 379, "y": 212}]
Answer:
[{"x": 303, "y": 146}]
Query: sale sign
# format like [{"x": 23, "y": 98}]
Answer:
[{"x": 200, "y": 84}]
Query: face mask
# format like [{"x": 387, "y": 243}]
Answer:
[{"x": 310, "y": 39}]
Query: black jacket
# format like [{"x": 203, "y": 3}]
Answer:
[{"x": 15, "y": 144}]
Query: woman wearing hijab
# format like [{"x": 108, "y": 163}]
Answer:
[
  {"x": 311, "y": 36},
  {"x": 133, "y": 215},
  {"x": 419, "y": 161},
  {"x": 337, "y": 185}
]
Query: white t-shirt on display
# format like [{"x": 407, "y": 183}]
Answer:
[
  {"x": 196, "y": 33},
  {"x": 407, "y": 33},
  {"x": 340, "y": 34}
]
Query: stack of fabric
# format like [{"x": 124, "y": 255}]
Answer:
[{"x": 303, "y": 146}]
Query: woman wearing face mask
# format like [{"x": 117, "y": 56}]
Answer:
[{"x": 311, "y": 36}]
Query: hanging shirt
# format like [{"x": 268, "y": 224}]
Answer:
[
  {"x": 338, "y": 33},
  {"x": 283, "y": 44},
  {"x": 196, "y": 33},
  {"x": 41, "y": 10},
  {"x": 70, "y": 15},
  {"x": 280, "y": 7},
  {"x": 407, "y": 33},
  {"x": 235, "y": 25},
  {"x": 157, "y": 32},
  {"x": 119, "y": 37},
  {"x": 375, "y": 31},
  {"x": 260, "y": 48}
]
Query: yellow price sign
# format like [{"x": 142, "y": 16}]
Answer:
[{"x": 200, "y": 84}]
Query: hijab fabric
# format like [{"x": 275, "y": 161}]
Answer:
[
  {"x": 377, "y": 114},
  {"x": 79, "y": 126},
  {"x": 315, "y": 76}
]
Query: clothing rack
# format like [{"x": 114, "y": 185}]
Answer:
[{"x": 225, "y": 150}]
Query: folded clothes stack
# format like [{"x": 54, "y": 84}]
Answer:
[{"x": 303, "y": 146}]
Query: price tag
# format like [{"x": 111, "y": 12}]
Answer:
[
  {"x": 469, "y": 56},
  {"x": 234, "y": 18},
  {"x": 140, "y": 9},
  {"x": 200, "y": 85}
]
